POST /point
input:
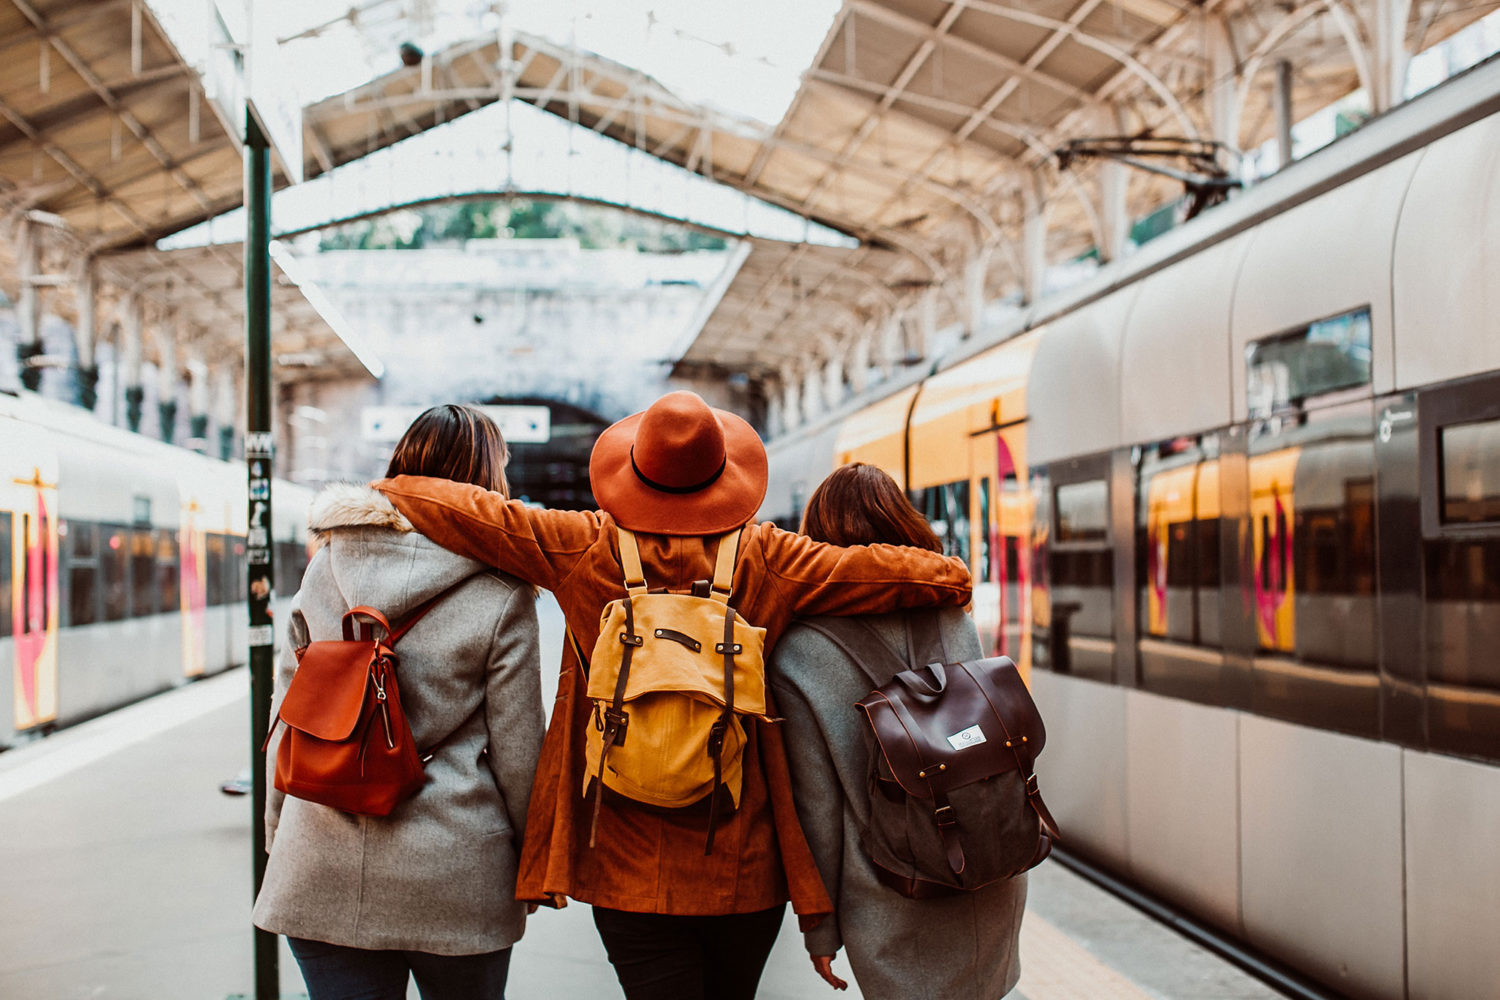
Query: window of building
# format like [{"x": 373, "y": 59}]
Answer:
[{"x": 1285, "y": 371}]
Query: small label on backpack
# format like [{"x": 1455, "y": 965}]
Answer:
[{"x": 971, "y": 737}]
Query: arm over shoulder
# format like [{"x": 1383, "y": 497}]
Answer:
[
  {"x": 822, "y": 579},
  {"x": 539, "y": 546}
]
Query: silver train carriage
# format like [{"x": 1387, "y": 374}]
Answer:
[
  {"x": 122, "y": 567},
  {"x": 1235, "y": 505}
]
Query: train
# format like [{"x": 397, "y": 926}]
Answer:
[
  {"x": 122, "y": 565},
  {"x": 1234, "y": 507}
]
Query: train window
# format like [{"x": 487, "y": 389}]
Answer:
[
  {"x": 142, "y": 573},
  {"x": 1470, "y": 472},
  {"x": 1284, "y": 371},
  {"x": 986, "y": 530},
  {"x": 5, "y": 573},
  {"x": 113, "y": 553},
  {"x": 239, "y": 573},
  {"x": 216, "y": 564},
  {"x": 168, "y": 571},
  {"x": 1461, "y": 615},
  {"x": 946, "y": 508},
  {"x": 1083, "y": 511},
  {"x": 291, "y": 560},
  {"x": 81, "y": 572},
  {"x": 1177, "y": 567},
  {"x": 1311, "y": 551},
  {"x": 1080, "y": 570}
]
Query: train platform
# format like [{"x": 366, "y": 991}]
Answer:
[{"x": 126, "y": 875}]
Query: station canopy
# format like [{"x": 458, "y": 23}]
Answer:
[{"x": 921, "y": 134}]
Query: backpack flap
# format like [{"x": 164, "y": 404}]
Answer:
[
  {"x": 680, "y": 636},
  {"x": 327, "y": 693}
]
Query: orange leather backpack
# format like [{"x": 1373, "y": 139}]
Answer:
[{"x": 348, "y": 744}]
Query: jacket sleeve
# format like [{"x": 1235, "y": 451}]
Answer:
[
  {"x": 296, "y": 637},
  {"x": 539, "y": 546},
  {"x": 513, "y": 704},
  {"x": 820, "y": 806},
  {"x": 821, "y": 579}
]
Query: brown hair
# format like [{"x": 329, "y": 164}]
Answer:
[
  {"x": 860, "y": 504},
  {"x": 453, "y": 442}
]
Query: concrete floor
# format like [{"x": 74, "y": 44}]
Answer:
[{"x": 125, "y": 875}]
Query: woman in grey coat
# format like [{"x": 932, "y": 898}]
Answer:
[
  {"x": 429, "y": 890},
  {"x": 961, "y": 947}
]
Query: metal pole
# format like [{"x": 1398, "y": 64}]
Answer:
[{"x": 259, "y": 453}]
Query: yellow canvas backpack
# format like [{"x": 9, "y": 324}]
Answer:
[{"x": 669, "y": 678}]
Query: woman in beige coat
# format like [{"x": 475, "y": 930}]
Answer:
[{"x": 428, "y": 891}]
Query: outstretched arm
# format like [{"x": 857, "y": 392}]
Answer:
[
  {"x": 821, "y": 579},
  {"x": 539, "y": 546}
]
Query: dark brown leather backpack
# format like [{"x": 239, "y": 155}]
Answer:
[{"x": 954, "y": 804}]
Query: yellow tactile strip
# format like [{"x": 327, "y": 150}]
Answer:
[{"x": 1055, "y": 967}]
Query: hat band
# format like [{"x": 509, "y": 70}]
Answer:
[{"x": 677, "y": 489}]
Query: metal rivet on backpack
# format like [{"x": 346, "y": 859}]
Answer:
[
  {"x": 921, "y": 774},
  {"x": 942, "y": 767},
  {"x": 1023, "y": 739}
]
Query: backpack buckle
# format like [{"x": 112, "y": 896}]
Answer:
[
  {"x": 1031, "y": 785},
  {"x": 716, "y": 737},
  {"x": 615, "y": 724},
  {"x": 945, "y": 816}
]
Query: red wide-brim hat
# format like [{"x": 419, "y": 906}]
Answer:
[{"x": 679, "y": 467}]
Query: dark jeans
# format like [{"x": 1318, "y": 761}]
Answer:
[
  {"x": 663, "y": 957},
  {"x": 334, "y": 972}
]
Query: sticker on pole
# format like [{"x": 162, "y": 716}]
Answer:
[
  {"x": 262, "y": 635},
  {"x": 971, "y": 737}
]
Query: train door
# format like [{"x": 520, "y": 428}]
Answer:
[
  {"x": 28, "y": 502},
  {"x": 1459, "y": 552}
]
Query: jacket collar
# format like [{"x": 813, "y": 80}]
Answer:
[{"x": 351, "y": 505}]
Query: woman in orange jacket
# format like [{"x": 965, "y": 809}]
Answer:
[{"x": 676, "y": 922}]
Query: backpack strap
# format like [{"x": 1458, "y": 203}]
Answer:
[
  {"x": 721, "y": 725},
  {"x": 723, "y": 585},
  {"x": 630, "y": 562},
  {"x": 861, "y": 644},
  {"x": 616, "y": 719}
]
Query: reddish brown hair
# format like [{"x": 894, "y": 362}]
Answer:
[
  {"x": 860, "y": 504},
  {"x": 453, "y": 442}
]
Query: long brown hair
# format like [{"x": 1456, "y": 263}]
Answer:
[
  {"x": 860, "y": 504},
  {"x": 453, "y": 442}
]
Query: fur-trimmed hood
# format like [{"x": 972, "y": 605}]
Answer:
[
  {"x": 373, "y": 555},
  {"x": 351, "y": 505}
]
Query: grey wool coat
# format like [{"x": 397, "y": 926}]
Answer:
[
  {"x": 962, "y": 947},
  {"x": 438, "y": 875}
]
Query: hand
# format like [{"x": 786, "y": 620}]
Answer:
[
  {"x": 823, "y": 964},
  {"x": 531, "y": 908}
]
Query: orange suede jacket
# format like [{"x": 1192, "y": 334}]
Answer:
[{"x": 650, "y": 862}]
